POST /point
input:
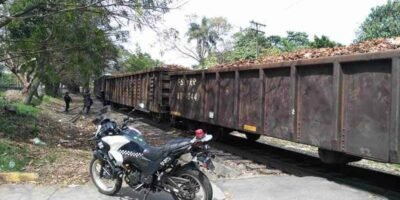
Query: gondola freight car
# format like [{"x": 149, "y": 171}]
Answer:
[
  {"x": 99, "y": 87},
  {"x": 347, "y": 106},
  {"x": 146, "y": 90}
]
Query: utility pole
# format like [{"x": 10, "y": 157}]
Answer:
[{"x": 255, "y": 26}]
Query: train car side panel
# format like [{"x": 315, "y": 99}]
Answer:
[
  {"x": 194, "y": 97},
  {"x": 225, "y": 115},
  {"x": 315, "y": 110},
  {"x": 276, "y": 103},
  {"x": 210, "y": 98},
  {"x": 250, "y": 101},
  {"x": 177, "y": 99},
  {"x": 367, "y": 104}
]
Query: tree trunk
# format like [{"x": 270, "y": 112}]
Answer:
[
  {"x": 32, "y": 91},
  {"x": 25, "y": 83},
  {"x": 35, "y": 83}
]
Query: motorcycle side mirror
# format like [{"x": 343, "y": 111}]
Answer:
[
  {"x": 97, "y": 120},
  {"x": 104, "y": 110}
]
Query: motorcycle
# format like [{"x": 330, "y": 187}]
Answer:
[{"x": 121, "y": 153}]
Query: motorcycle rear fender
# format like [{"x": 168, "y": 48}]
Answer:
[{"x": 190, "y": 165}]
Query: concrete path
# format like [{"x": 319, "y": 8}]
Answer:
[
  {"x": 283, "y": 187},
  {"x": 273, "y": 187},
  {"x": 85, "y": 192}
]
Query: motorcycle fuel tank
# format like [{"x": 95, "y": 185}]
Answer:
[
  {"x": 116, "y": 142},
  {"x": 127, "y": 147}
]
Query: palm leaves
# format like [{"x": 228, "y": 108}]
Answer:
[{"x": 206, "y": 36}]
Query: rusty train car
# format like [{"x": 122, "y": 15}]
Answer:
[
  {"x": 146, "y": 90},
  {"x": 100, "y": 86},
  {"x": 347, "y": 106}
]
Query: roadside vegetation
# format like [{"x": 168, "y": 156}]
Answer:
[
  {"x": 12, "y": 156},
  {"x": 31, "y": 140}
]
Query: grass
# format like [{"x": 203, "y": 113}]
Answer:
[
  {"x": 13, "y": 157},
  {"x": 48, "y": 99},
  {"x": 22, "y": 125},
  {"x": 26, "y": 110}
]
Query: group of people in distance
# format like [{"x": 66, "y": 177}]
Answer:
[{"x": 87, "y": 102}]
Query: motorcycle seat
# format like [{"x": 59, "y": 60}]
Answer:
[
  {"x": 177, "y": 144},
  {"x": 155, "y": 153}
]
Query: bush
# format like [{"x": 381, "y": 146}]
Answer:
[{"x": 26, "y": 110}]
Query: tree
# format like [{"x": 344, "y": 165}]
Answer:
[
  {"x": 141, "y": 12},
  {"x": 132, "y": 62},
  {"x": 274, "y": 40},
  {"x": 47, "y": 50},
  {"x": 59, "y": 41},
  {"x": 298, "y": 39},
  {"x": 323, "y": 42},
  {"x": 382, "y": 22},
  {"x": 202, "y": 39},
  {"x": 207, "y": 33},
  {"x": 245, "y": 45},
  {"x": 293, "y": 41}
]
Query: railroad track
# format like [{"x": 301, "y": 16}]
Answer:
[{"x": 300, "y": 164}]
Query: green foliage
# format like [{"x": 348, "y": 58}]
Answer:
[
  {"x": 298, "y": 39},
  {"x": 207, "y": 34},
  {"x": 71, "y": 46},
  {"x": 26, "y": 110},
  {"x": 382, "y": 22},
  {"x": 8, "y": 79},
  {"x": 22, "y": 125},
  {"x": 274, "y": 40},
  {"x": 12, "y": 157},
  {"x": 246, "y": 43},
  {"x": 137, "y": 61},
  {"x": 21, "y": 109},
  {"x": 69, "y": 41},
  {"x": 292, "y": 42},
  {"x": 47, "y": 99},
  {"x": 323, "y": 42}
]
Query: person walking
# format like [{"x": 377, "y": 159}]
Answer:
[
  {"x": 87, "y": 103},
  {"x": 67, "y": 100}
]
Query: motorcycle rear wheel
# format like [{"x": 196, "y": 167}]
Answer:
[
  {"x": 100, "y": 182},
  {"x": 200, "y": 181}
]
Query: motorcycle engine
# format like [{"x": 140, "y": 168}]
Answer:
[{"x": 133, "y": 178}]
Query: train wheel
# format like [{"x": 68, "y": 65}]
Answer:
[
  {"x": 252, "y": 137},
  {"x": 218, "y": 134},
  {"x": 336, "y": 158},
  {"x": 172, "y": 121},
  {"x": 115, "y": 106},
  {"x": 157, "y": 117}
]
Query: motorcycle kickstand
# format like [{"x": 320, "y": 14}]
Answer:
[
  {"x": 174, "y": 196},
  {"x": 146, "y": 194}
]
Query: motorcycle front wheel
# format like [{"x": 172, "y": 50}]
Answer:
[
  {"x": 199, "y": 187},
  {"x": 107, "y": 186}
]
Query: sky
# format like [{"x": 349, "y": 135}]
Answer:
[{"x": 337, "y": 19}]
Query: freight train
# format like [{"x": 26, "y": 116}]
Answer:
[{"x": 347, "y": 106}]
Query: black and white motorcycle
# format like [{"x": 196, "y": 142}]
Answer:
[{"x": 121, "y": 153}]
